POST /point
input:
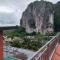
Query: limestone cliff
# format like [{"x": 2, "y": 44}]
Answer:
[{"x": 38, "y": 17}]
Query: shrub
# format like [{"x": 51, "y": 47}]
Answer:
[
  {"x": 51, "y": 34},
  {"x": 16, "y": 43}
]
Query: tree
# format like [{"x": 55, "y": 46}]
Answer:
[
  {"x": 57, "y": 17},
  {"x": 20, "y": 32}
]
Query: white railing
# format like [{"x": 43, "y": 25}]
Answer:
[{"x": 44, "y": 52}]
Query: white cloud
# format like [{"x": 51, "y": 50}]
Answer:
[{"x": 5, "y": 9}]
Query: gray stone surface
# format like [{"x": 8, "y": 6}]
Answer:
[{"x": 38, "y": 17}]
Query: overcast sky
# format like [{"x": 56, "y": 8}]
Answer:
[{"x": 11, "y": 11}]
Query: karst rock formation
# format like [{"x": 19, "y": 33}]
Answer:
[{"x": 38, "y": 17}]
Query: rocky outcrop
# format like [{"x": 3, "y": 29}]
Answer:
[{"x": 38, "y": 17}]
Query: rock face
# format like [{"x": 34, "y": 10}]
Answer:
[{"x": 38, "y": 17}]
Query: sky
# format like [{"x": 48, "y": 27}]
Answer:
[{"x": 11, "y": 11}]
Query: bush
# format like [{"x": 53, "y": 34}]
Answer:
[
  {"x": 16, "y": 43},
  {"x": 20, "y": 32},
  {"x": 31, "y": 34},
  {"x": 51, "y": 34}
]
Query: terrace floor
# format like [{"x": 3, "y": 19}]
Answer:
[
  {"x": 56, "y": 55},
  {"x": 20, "y": 53}
]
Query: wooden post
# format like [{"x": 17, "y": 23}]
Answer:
[{"x": 1, "y": 45}]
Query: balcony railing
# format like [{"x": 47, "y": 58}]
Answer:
[{"x": 45, "y": 52}]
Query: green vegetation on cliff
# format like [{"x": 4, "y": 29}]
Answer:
[{"x": 57, "y": 17}]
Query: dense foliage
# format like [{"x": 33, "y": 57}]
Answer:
[
  {"x": 57, "y": 17},
  {"x": 51, "y": 34},
  {"x": 20, "y": 32},
  {"x": 31, "y": 43}
]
